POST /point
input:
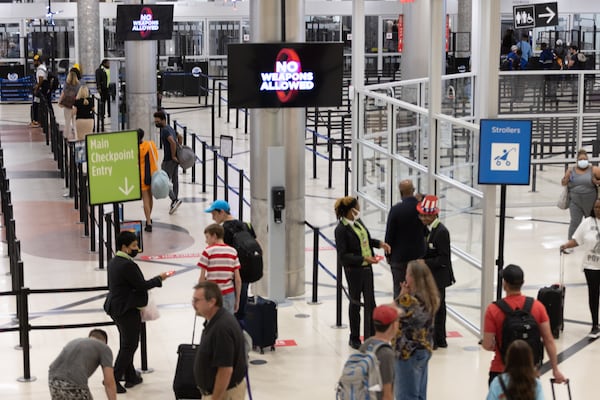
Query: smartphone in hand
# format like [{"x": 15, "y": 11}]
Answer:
[
  {"x": 379, "y": 258},
  {"x": 171, "y": 273}
]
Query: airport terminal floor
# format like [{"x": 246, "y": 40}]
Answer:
[{"x": 311, "y": 350}]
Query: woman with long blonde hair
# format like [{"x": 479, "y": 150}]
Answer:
[
  {"x": 83, "y": 109},
  {"x": 419, "y": 300},
  {"x": 66, "y": 102}
]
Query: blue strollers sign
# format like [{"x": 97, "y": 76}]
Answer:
[{"x": 504, "y": 152}]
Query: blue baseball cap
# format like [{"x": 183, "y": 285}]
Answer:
[{"x": 218, "y": 205}]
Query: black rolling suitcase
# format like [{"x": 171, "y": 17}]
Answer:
[
  {"x": 553, "y": 298},
  {"x": 184, "y": 384},
  {"x": 261, "y": 322}
]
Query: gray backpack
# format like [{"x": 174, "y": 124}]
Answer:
[{"x": 361, "y": 378}]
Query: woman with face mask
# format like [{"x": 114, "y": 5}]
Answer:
[
  {"x": 127, "y": 293},
  {"x": 581, "y": 181},
  {"x": 355, "y": 253}
]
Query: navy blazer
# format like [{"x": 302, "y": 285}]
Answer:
[
  {"x": 127, "y": 288},
  {"x": 347, "y": 242},
  {"x": 404, "y": 231}
]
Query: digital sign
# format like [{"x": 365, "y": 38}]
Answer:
[
  {"x": 144, "y": 22},
  {"x": 273, "y": 75}
]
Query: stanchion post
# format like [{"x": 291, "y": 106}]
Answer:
[
  {"x": 144, "y": 350},
  {"x": 315, "y": 280},
  {"x": 338, "y": 296},
  {"x": 219, "y": 99},
  {"x": 241, "y": 194},
  {"x": 24, "y": 335},
  {"x": 346, "y": 170},
  {"x": 329, "y": 164},
  {"x": 185, "y": 135},
  {"x": 108, "y": 241},
  {"x": 204, "y": 166},
  {"x": 194, "y": 166},
  {"x": 215, "y": 174}
]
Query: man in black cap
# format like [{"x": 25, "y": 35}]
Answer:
[{"x": 512, "y": 281}]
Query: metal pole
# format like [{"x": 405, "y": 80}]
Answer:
[
  {"x": 241, "y": 196},
  {"x": 346, "y": 171},
  {"x": 329, "y": 164},
  {"x": 92, "y": 228},
  {"x": 212, "y": 126},
  {"x": 215, "y": 175},
  {"x": 24, "y": 335},
  {"x": 101, "y": 236},
  {"x": 219, "y": 99},
  {"x": 315, "y": 279},
  {"x": 338, "y": 296},
  {"x": 108, "y": 242},
  {"x": 204, "y": 166},
  {"x": 226, "y": 178},
  {"x": 500, "y": 260},
  {"x": 194, "y": 166},
  {"x": 144, "y": 350}
]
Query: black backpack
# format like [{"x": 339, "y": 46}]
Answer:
[
  {"x": 50, "y": 84},
  {"x": 249, "y": 251},
  {"x": 520, "y": 324}
]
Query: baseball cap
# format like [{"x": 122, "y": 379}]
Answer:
[
  {"x": 218, "y": 205},
  {"x": 385, "y": 314},
  {"x": 513, "y": 274}
]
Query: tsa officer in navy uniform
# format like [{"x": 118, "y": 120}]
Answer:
[{"x": 437, "y": 258}]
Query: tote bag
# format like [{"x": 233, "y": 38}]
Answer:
[{"x": 563, "y": 198}]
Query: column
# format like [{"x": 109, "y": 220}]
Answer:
[
  {"x": 90, "y": 52},
  {"x": 140, "y": 80},
  {"x": 277, "y": 159}
]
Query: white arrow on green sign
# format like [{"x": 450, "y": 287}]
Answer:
[{"x": 113, "y": 167}]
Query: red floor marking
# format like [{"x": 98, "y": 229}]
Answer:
[
  {"x": 168, "y": 256},
  {"x": 285, "y": 343},
  {"x": 454, "y": 334}
]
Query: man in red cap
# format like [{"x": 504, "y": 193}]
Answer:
[
  {"x": 437, "y": 258},
  {"x": 385, "y": 320}
]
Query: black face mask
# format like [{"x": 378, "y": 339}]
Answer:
[
  {"x": 158, "y": 125},
  {"x": 134, "y": 252}
]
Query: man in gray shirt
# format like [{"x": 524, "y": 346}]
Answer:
[{"x": 69, "y": 372}]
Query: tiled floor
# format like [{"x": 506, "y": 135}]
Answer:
[{"x": 308, "y": 364}]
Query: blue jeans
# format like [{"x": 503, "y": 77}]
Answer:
[
  {"x": 229, "y": 301},
  {"x": 410, "y": 381}
]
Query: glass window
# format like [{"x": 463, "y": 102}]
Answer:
[{"x": 220, "y": 34}]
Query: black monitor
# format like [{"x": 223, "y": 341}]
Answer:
[
  {"x": 144, "y": 22},
  {"x": 271, "y": 75}
]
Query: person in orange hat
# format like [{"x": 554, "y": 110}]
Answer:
[{"x": 437, "y": 258}]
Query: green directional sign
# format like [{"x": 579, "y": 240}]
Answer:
[{"x": 113, "y": 167}]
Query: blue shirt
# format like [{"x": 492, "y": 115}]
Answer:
[
  {"x": 526, "y": 51},
  {"x": 496, "y": 393}
]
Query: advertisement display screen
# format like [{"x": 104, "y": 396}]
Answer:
[
  {"x": 144, "y": 22},
  {"x": 272, "y": 75}
]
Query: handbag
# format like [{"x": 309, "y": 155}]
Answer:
[
  {"x": 160, "y": 184},
  {"x": 564, "y": 198},
  {"x": 186, "y": 156},
  {"x": 150, "y": 311}
]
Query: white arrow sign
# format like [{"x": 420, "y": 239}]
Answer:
[
  {"x": 127, "y": 189},
  {"x": 550, "y": 14}
]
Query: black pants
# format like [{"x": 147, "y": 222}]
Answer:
[
  {"x": 241, "y": 312},
  {"x": 439, "y": 324},
  {"x": 398, "y": 275},
  {"x": 104, "y": 103},
  {"x": 592, "y": 277},
  {"x": 360, "y": 281},
  {"x": 129, "y": 325}
]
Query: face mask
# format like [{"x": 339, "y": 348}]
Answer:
[
  {"x": 156, "y": 124},
  {"x": 583, "y": 164},
  {"x": 133, "y": 253},
  {"x": 356, "y": 214}
]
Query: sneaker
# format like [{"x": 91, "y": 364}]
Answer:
[
  {"x": 594, "y": 333},
  {"x": 174, "y": 206}
]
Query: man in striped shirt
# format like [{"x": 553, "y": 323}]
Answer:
[{"x": 219, "y": 264}]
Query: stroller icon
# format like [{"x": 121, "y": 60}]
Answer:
[{"x": 504, "y": 157}]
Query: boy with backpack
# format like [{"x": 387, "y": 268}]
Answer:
[
  {"x": 240, "y": 236},
  {"x": 219, "y": 264},
  {"x": 371, "y": 369},
  {"x": 518, "y": 317}
]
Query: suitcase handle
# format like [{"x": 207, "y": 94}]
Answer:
[{"x": 553, "y": 382}]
